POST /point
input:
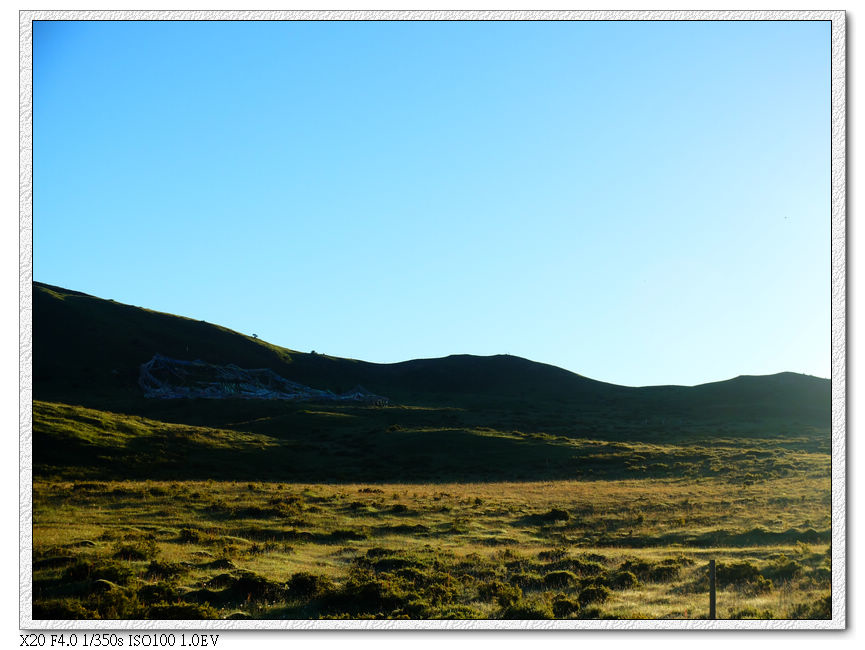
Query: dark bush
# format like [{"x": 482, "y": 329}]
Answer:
[
  {"x": 445, "y": 590},
  {"x": 342, "y": 535},
  {"x": 623, "y": 580},
  {"x": 308, "y": 585},
  {"x": 53, "y": 562},
  {"x": 663, "y": 573},
  {"x": 105, "y": 570},
  {"x": 554, "y": 555},
  {"x": 738, "y": 573},
  {"x": 117, "y": 603},
  {"x": 363, "y": 594},
  {"x": 157, "y": 592},
  {"x": 582, "y": 567},
  {"x": 504, "y": 594},
  {"x": 783, "y": 569},
  {"x": 759, "y": 586},
  {"x": 564, "y": 606},
  {"x": 190, "y": 536},
  {"x": 527, "y": 581},
  {"x": 821, "y": 609},
  {"x": 526, "y": 611},
  {"x": 821, "y": 575},
  {"x": 251, "y": 586},
  {"x": 555, "y": 514},
  {"x": 593, "y": 594},
  {"x": 559, "y": 579},
  {"x": 639, "y": 568},
  {"x": 418, "y": 577},
  {"x": 136, "y": 551},
  {"x": 166, "y": 569}
]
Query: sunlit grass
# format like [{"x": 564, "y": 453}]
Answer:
[{"x": 217, "y": 531}]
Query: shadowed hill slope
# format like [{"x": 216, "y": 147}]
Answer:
[{"x": 88, "y": 351}]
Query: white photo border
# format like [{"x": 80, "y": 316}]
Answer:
[{"x": 838, "y": 341}]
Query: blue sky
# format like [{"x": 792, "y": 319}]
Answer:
[{"x": 639, "y": 202}]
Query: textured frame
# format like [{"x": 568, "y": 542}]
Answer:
[{"x": 838, "y": 342}]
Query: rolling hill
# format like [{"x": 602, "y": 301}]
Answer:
[
  {"x": 461, "y": 417},
  {"x": 88, "y": 351}
]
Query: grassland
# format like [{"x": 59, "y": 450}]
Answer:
[
  {"x": 622, "y": 538},
  {"x": 566, "y": 549}
]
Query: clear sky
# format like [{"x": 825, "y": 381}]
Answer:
[{"x": 638, "y": 202}]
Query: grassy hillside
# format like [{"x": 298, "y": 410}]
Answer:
[
  {"x": 88, "y": 351},
  {"x": 360, "y": 443}
]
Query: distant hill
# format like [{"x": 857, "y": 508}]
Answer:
[{"x": 87, "y": 351}]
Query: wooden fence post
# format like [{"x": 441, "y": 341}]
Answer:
[{"x": 712, "y": 590}]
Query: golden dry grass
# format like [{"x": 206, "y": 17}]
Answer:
[{"x": 278, "y": 530}]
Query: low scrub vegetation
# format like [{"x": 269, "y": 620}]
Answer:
[{"x": 569, "y": 550}]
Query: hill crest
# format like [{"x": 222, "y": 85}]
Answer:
[{"x": 88, "y": 350}]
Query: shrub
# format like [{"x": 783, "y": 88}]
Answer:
[
  {"x": 251, "y": 586},
  {"x": 821, "y": 609},
  {"x": 782, "y": 569},
  {"x": 105, "y": 570},
  {"x": 190, "y": 536},
  {"x": 308, "y": 585},
  {"x": 750, "y": 612},
  {"x": 759, "y": 586},
  {"x": 639, "y": 568},
  {"x": 117, "y": 603},
  {"x": 136, "y": 551},
  {"x": 458, "y": 612},
  {"x": 166, "y": 569},
  {"x": 418, "y": 577},
  {"x": 554, "y": 515},
  {"x": 527, "y": 581},
  {"x": 53, "y": 562},
  {"x": 663, "y": 573},
  {"x": 821, "y": 575},
  {"x": 344, "y": 534},
  {"x": 623, "y": 580},
  {"x": 563, "y": 606},
  {"x": 446, "y": 590},
  {"x": 157, "y": 592},
  {"x": 591, "y": 613},
  {"x": 552, "y": 556},
  {"x": 504, "y": 594},
  {"x": 527, "y": 611},
  {"x": 593, "y": 594},
  {"x": 559, "y": 579},
  {"x": 738, "y": 573},
  {"x": 583, "y": 567},
  {"x": 363, "y": 594}
]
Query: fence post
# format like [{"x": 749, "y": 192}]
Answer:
[{"x": 712, "y": 590}]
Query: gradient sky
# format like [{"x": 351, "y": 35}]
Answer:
[{"x": 639, "y": 202}]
